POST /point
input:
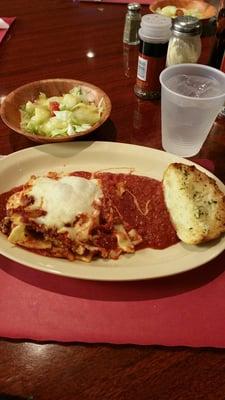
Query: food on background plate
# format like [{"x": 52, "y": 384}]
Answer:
[
  {"x": 173, "y": 11},
  {"x": 195, "y": 203},
  {"x": 84, "y": 215},
  {"x": 65, "y": 115}
]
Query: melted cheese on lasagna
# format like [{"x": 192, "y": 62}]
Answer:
[
  {"x": 62, "y": 200},
  {"x": 68, "y": 205},
  {"x": 83, "y": 215},
  {"x": 61, "y": 214}
]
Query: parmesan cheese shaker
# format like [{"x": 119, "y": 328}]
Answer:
[{"x": 185, "y": 42}]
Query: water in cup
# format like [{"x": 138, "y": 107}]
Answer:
[
  {"x": 192, "y": 96},
  {"x": 194, "y": 85}
]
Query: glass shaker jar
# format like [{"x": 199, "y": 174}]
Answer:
[
  {"x": 185, "y": 42},
  {"x": 154, "y": 36},
  {"x": 132, "y": 24}
]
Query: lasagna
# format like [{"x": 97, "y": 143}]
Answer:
[{"x": 83, "y": 215}]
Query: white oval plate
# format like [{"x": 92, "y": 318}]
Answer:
[{"x": 16, "y": 168}]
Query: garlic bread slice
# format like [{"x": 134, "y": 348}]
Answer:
[{"x": 195, "y": 203}]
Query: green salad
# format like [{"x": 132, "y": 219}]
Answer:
[
  {"x": 173, "y": 11},
  {"x": 64, "y": 115}
]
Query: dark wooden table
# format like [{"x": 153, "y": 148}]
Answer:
[{"x": 61, "y": 38}]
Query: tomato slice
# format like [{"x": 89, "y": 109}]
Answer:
[{"x": 54, "y": 106}]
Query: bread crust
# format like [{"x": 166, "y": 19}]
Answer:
[{"x": 195, "y": 203}]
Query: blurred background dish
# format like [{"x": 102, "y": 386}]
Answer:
[
  {"x": 196, "y": 8},
  {"x": 11, "y": 106}
]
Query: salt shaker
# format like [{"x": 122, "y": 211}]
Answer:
[
  {"x": 185, "y": 42},
  {"x": 132, "y": 23}
]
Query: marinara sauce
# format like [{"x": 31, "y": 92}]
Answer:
[{"x": 139, "y": 202}]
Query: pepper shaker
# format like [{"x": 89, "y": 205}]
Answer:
[{"x": 132, "y": 24}]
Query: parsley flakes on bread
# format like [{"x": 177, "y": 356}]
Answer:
[{"x": 195, "y": 203}]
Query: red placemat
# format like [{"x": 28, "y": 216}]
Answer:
[
  {"x": 186, "y": 309},
  {"x": 9, "y": 21}
]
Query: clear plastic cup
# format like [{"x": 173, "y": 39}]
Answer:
[{"x": 188, "y": 113}]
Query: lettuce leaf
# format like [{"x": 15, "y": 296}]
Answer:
[{"x": 76, "y": 112}]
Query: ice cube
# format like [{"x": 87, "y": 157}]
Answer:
[{"x": 194, "y": 86}]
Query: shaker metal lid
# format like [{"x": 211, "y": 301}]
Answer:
[
  {"x": 134, "y": 6},
  {"x": 186, "y": 25}
]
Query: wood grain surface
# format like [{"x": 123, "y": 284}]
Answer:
[
  {"x": 83, "y": 41},
  {"x": 77, "y": 371}
]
